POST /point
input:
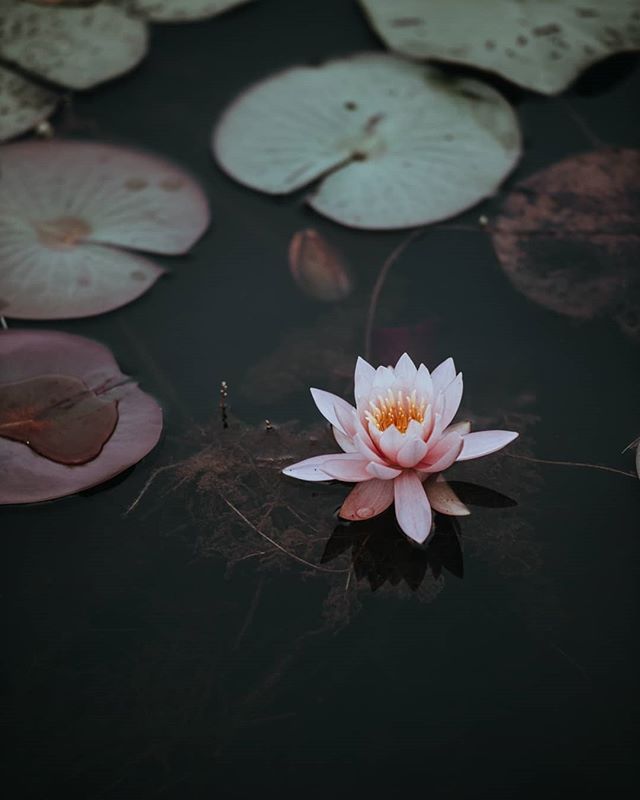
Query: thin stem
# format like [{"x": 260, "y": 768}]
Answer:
[
  {"x": 574, "y": 464},
  {"x": 275, "y": 544},
  {"x": 586, "y": 131},
  {"x": 377, "y": 287}
]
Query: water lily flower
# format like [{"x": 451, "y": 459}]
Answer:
[{"x": 396, "y": 441}]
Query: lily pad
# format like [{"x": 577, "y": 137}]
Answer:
[
  {"x": 75, "y": 47},
  {"x": 183, "y": 10},
  {"x": 396, "y": 144},
  {"x": 22, "y": 104},
  {"x": 538, "y": 44},
  {"x": 50, "y": 362},
  {"x": 567, "y": 237},
  {"x": 64, "y": 208}
]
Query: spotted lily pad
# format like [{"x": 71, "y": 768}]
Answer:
[
  {"x": 539, "y": 44},
  {"x": 183, "y": 10},
  {"x": 22, "y": 104},
  {"x": 567, "y": 237},
  {"x": 69, "y": 419},
  {"x": 396, "y": 144},
  {"x": 64, "y": 209},
  {"x": 75, "y": 47}
]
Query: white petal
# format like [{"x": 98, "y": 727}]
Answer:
[
  {"x": 482, "y": 443},
  {"x": 327, "y": 404},
  {"x": 443, "y": 374},
  {"x": 452, "y": 397},
  {"x": 382, "y": 471},
  {"x": 406, "y": 370},
  {"x": 364, "y": 376}
]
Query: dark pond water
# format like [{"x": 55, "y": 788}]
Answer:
[{"x": 169, "y": 653}]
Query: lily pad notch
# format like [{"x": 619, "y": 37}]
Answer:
[{"x": 392, "y": 144}]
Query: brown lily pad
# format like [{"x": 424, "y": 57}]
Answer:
[
  {"x": 568, "y": 237},
  {"x": 57, "y": 417}
]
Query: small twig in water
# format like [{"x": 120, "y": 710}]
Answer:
[
  {"x": 275, "y": 544},
  {"x": 572, "y": 464}
]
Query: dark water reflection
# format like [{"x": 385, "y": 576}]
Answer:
[{"x": 172, "y": 653}]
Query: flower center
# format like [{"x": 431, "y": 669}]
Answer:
[
  {"x": 396, "y": 409},
  {"x": 61, "y": 233}
]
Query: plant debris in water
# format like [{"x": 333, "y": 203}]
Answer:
[
  {"x": 318, "y": 268},
  {"x": 245, "y": 512}
]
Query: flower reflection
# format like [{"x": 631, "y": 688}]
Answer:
[{"x": 381, "y": 554}]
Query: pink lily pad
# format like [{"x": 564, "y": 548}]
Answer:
[
  {"x": 28, "y": 476},
  {"x": 65, "y": 206}
]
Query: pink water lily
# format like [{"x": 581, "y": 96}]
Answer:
[{"x": 396, "y": 442}]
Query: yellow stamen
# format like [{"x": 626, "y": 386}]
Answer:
[{"x": 398, "y": 410}]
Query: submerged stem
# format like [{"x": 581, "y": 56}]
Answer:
[
  {"x": 275, "y": 544},
  {"x": 573, "y": 464},
  {"x": 377, "y": 287}
]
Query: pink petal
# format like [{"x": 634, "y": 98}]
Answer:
[
  {"x": 411, "y": 452},
  {"x": 412, "y": 507},
  {"x": 311, "y": 468},
  {"x": 382, "y": 471},
  {"x": 346, "y": 442},
  {"x": 365, "y": 447},
  {"x": 367, "y": 500},
  {"x": 443, "y": 374},
  {"x": 405, "y": 370},
  {"x": 350, "y": 467},
  {"x": 424, "y": 383},
  {"x": 390, "y": 442},
  {"x": 443, "y": 454},
  {"x": 28, "y": 477},
  {"x": 452, "y": 396},
  {"x": 328, "y": 403},
  {"x": 484, "y": 442},
  {"x": 443, "y": 498},
  {"x": 364, "y": 376},
  {"x": 383, "y": 379}
]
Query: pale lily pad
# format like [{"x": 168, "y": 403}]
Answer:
[
  {"x": 28, "y": 476},
  {"x": 22, "y": 104},
  {"x": 539, "y": 44},
  {"x": 396, "y": 144},
  {"x": 64, "y": 208},
  {"x": 183, "y": 10},
  {"x": 75, "y": 47}
]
